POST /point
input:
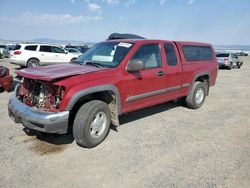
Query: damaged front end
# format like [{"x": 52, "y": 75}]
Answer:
[
  {"x": 36, "y": 103},
  {"x": 40, "y": 94}
]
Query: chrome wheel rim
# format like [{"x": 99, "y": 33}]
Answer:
[
  {"x": 98, "y": 124},
  {"x": 199, "y": 95}
]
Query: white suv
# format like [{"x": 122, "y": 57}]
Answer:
[{"x": 32, "y": 55}]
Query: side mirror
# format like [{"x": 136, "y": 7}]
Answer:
[
  {"x": 66, "y": 52},
  {"x": 134, "y": 65}
]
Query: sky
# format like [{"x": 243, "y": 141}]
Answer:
[{"x": 220, "y": 22}]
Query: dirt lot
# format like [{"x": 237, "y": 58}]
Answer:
[{"x": 164, "y": 146}]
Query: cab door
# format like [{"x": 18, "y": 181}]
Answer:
[
  {"x": 173, "y": 71},
  {"x": 148, "y": 86}
]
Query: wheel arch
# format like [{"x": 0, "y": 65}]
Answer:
[
  {"x": 106, "y": 93},
  {"x": 202, "y": 77}
]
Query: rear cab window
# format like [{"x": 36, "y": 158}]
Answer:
[
  {"x": 170, "y": 54},
  {"x": 197, "y": 53}
]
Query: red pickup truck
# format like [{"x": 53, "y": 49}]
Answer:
[{"x": 112, "y": 78}]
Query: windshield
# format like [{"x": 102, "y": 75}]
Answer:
[{"x": 105, "y": 54}]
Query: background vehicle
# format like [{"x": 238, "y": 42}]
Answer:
[
  {"x": 7, "y": 51},
  {"x": 228, "y": 60},
  {"x": 6, "y": 80},
  {"x": 70, "y": 46},
  {"x": 112, "y": 78},
  {"x": 83, "y": 49},
  {"x": 74, "y": 51},
  {"x": 1, "y": 50},
  {"x": 33, "y": 55},
  {"x": 241, "y": 53}
]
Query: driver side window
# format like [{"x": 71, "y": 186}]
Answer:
[{"x": 149, "y": 55}]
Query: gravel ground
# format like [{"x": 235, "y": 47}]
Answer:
[{"x": 163, "y": 146}]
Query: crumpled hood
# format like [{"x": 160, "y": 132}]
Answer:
[{"x": 52, "y": 72}]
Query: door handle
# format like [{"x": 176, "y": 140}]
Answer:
[{"x": 160, "y": 73}]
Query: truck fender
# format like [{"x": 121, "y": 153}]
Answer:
[
  {"x": 196, "y": 78},
  {"x": 95, "y": 89}
]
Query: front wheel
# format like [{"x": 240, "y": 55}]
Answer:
[
  {"x": 92, "y": 123},
  {"x": 197, "y": 95},
  {"x": 72, "y": 60}
]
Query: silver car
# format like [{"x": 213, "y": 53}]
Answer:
[
  {"x": 228, "y": 60},
  {"x": 74, "y": 51}
]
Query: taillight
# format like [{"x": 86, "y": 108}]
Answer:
[
  {"x": 226, "y": 58},
  {"x": 17, "y": 52}
]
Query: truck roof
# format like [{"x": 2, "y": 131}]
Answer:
[{"x": 159, "y": 41}]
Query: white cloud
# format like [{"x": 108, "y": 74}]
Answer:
[
  {"x": 130, "y": 2},
  {"x": 94, "y": 8},
  {"x": 118, "y": 2},
  {"x": 112, "y": 2},
  {"x": 36, "y": 18},
  {"x": 190, "y": 2},
  {"x": 162, "y": 2}
]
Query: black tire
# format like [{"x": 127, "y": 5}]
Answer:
[
  {"x": 33, "y": 62},
  {"x": 192, "y": 99},
  {"x": 85, "y": 134},
  {"x": 72, "y": 60}
]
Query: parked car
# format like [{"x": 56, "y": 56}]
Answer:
[
  {"x": 70, "y": 46},
  {"x": 7, "y": 51},
  {"x": 1, "y": 50},
  {"x": 228, "y": 60},
  {"x": 33, "y": 55},
  {"x": 83, "y": 49},
  {"x": 112, "y": 78},
  {"x": 6, "y": 80},
  {"x": 74, "y": 51},
  {"x": 241, "y": 53},
  {"x": 246, "y": 53}
]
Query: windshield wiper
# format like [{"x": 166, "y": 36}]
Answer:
[{"x": 92, "y": 63}]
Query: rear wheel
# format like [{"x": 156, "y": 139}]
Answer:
[
  {"x": 33, "y": 63},
  {"x": 197, "y": 95},
  {"x": 92, "y": 123},
  {"x": 239, "y": 64}
]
